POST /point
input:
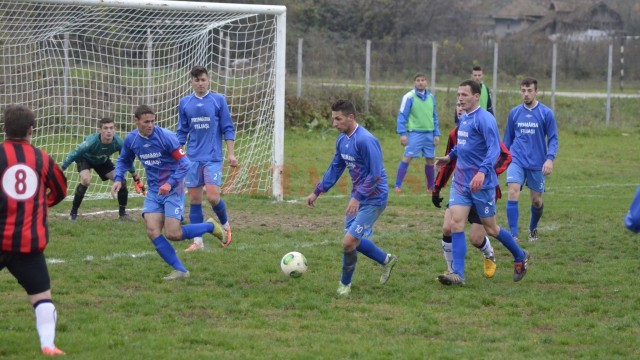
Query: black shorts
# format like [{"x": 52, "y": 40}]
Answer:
[
  {"x": 473, "y": 217},
  {"x": 101, "y": 169},
  {"x": 29, "y": 269}
]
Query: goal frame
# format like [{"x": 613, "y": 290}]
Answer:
[{"x": 278, "y": 11}]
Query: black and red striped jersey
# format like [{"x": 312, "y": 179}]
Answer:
[
  {"x": 504, "y": 159},
  {"x": 31, "y": 182}
]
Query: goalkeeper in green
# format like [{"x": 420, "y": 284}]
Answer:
[{"x": 95, "y": 153}]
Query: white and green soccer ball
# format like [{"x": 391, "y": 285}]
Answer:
[{"x": 293, "y": 264}]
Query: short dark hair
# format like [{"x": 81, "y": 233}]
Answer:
[
  {"x": 474, "y": 85},
  {"x": 105, "y": 120},
  {"x": 198, "y": 70},
  {"x": 17, "y": 121},
  {"x": 142, "y": 110},
  {"x": 345, "y": 106},
  {"x": 417, "y": 75},
  {"x": 529, "y": 81},
  {"x": 477, "y": 68}
]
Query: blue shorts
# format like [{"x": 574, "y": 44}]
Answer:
[
  {"x": 360, "y": 225},
  {"x": 420, "y": 143},
  {"x": 533, "y": 178},
  {"x": 204, "y": 173},
  {"x": 483, "y": 201},
  {"x": 171, "y": 205}
]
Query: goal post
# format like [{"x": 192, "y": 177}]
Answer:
[{"x": 76, "y": 61}]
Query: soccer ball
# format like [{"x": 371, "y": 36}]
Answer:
[{"x": 293, "y": 264}]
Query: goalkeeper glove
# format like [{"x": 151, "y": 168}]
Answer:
[
  {"x": 436, "y": 199},
  {"x": 139, "y": 185}
]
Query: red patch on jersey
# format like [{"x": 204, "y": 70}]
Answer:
[{"x": 178, "y": 154}]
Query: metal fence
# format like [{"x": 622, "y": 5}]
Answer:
[{"x": 601, "y": 69}]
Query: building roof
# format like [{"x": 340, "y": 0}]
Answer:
[{"x": 519, "y": 9}]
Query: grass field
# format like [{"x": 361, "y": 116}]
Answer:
[{"x": 578, "y": 300}]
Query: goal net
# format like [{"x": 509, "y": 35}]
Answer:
[{"x": 76, "y": 61}]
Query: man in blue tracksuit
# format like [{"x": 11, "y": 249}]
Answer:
[{"x": 417, "y": 125}]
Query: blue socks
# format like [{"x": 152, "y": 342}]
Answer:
[
  {"x": 370, "y": 250},
  {"x": 536, "y": 214},
  {"x": 221, "y": 211},
  {"x": 459, "y": 250},
  {"x": 507, "y": 240},
  {"x": 168, "y": 253},
  {"x": 196, "y": 215},
  {"x": 429, "y": 174},
  {"x": 512, "y": 216},
  {"x": 190, "y": 231},
  {"x": 402, "y": 172},
  {"x": 349, "y": 260}
]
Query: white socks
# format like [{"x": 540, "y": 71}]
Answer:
[
  {"x": 46, "y": 322},
  {"x": 448, "y": 255}
]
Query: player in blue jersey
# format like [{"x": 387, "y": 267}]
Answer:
[
  {"x": 359, "y": 151},
  {"x": 474, "y": 183},
  {"x": 532, "y": 137},
  {"x": 166, "y": 165},
  {"x": 204, "y": 122},
  {"x": 417, "y": 125},
  {"x": 632, "y": 220},
  {"x": 95, "y": 153}
]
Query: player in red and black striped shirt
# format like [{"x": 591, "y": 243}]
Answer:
[
  {"x": 31, "y": 182},
  {"x": 478, "y": 236}
]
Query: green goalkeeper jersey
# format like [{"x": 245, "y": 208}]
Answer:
[{"x": 94, "y": 151}]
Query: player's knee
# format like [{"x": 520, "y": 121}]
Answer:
[
  {"x": 85, "y": 181},
  {"x": 349, "y": 243},
  {"x": 537, "y": 202},
  {"x": 175, "y": 235},
  {"x": 492, "y": 231},
  {"x": 214, "y": 199}
]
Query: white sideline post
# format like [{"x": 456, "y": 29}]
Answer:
[
  {"x": 495, "y": 78},
  {"x": 609, "y": 73},
  {"x": 367, "y": 76},
  {"x": 278, "y": 138},
  {"x": 434, "y": 54},
  {"x": 554, "y": 67},
  {"x": 299, "y": 91}
]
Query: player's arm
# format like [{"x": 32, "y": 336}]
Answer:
[
  {"x": 331, "y": 176},
  {"x": 504, "y": 159},
  {"x": 124, "y": 162},
  {"x": 632, "y": 220},
  {"x": 182, "y": 130},
  {"x": 403, "y": 117},
  {"x": 492, "y": 139},
  {"x": 228, "y": 130},
  {"x": 552, "y": 142},
  {"x": 509, "y": 131},
  {"x": 76, "y": 154},
  {"x": 55, "y": 182},
  {"x": 233, "y": 162},
  {"x": 445, "y": 171},
  {"x": 436, "y": 122}
]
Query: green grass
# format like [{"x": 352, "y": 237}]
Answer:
[{"x": 579, "y": 299}]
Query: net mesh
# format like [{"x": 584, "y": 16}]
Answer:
[{"x": 74, "y": 64}]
